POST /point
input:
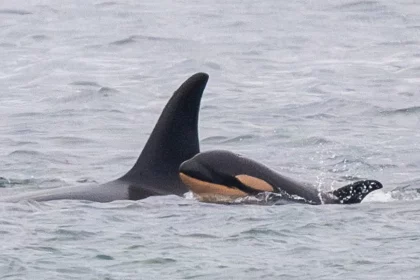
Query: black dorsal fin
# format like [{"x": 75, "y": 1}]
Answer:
[
  {"x": 356, "y": 192},
  {"x": 175, "y": 136}
]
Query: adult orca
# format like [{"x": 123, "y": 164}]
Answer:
[
  {"x": 173, "y": 140},
  {"x": 223, "y": 176}
]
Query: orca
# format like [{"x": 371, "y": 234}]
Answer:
[
  {"x": 223, "y": 176},
  {"x": 174, "y": 139}
]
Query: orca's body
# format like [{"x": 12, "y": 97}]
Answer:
[
  {"x": 219, "y": 174},
  {"x": 173, "y": 140}
]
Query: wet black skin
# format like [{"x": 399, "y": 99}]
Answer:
[{"x": 221, "y": 167}]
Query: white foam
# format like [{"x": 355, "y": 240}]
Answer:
[
  {"x": 189, "y": 195},
  {"x": 382, "y": 196},
  {"x": 378, "y": 196}
]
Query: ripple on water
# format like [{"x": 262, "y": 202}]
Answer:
[
  {"x": 106, "y": 91},
  {"x": 402, "y": 111},
  {"x": 71, "y": 140},
  {"x": 141, "y": 38},
  {"x": 85, "y": 83},
  {"x": 241, "y": 138},
  {"x": 199, "y": 235},
  {"x": 63, "y": 235},
  {"x": 106, "y": 4},
  {"x": 309, "y": 141},
  {"x": 104, "y": 257},
  {"x": 214, "y": 140},
  {"x": 159, "y": 260},
  {"x": 40, "y": 37},
  {"x": 14, "y": 12},
  {"x": 125, "y": 41},
  {"x": 362, "y": 6},
  {"x": 26, "y": 153}
]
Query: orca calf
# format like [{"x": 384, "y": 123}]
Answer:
[
  {"x": 223, "y": 176},
  {"x": 173, "y": 140}
]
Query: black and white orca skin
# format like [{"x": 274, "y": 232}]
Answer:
[
  {"x": 173, "y": 140},
  {"x": 215, "y": 175}
]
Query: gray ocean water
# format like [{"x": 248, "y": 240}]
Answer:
[{"x": 326, "y": 92}]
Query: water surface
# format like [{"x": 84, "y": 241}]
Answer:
[{"x": 326, "y": 92}]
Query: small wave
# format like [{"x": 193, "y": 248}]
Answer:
[
  {"x": 236, "y": 23},
  {"x": 125, "y": 41},
  {"x": 405, "y": 111},
  {"x": 52, "y": 157},
  {"x": 349, "y": 161},
  {"x": 159, "y": 261},
  {"x": 84, "y": 95},
  {"x": 239, "y": 139},
  {"x": 394, "y": 195},
  {"x": 406, "y": 195},
  {"x": 413, "y": 184},
  {"x": 87, "y": 180},
  {"x": 164, "y": 39},
  {"x": 39, "y": 37},
  {"x": 8, "y": 45},
  {"x": 15, "y": 12},
  {"x": 205, "y": 107},
  {"x": 106, "y": 91},
  {"x": 23, "y": 143},
  {"x": 135, "y": 38},
  {"x": 47, "y": 182},
  {"x": 310, "y": 141},
  {"x": 29, "y": 153},
  {"x": 26, "y": 131},
  {"x": 104, "y": 257},
  {"x": 214, "y": 140},
  {"x": 406, "y": 93},
  {"x": 346, "y": 165},
  {"x": 77, "y": 111},
  {"x": 71, "y": 140},
  {"x": 362, "y": 6},
  {"x": 316, "y": 140},
  {"x": 7, "y": 183},
  {"x": 320, "y": 116},
  {"x": 47, "y": 249},
  {"x": 85, "y": 83},
  {"x": 200, "y": 235},
  {"x": 213, "y": 65},
  {"x": 397, "y": 43},
  {"x": 261, "y": 231},
  {"x": 106, "y": 4},
  {"x": 72, "y": 234},
  {"x": 348, "y": 178},
  {"x": 27, "y": 114},
  {"x": 329, "y": 108}
]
